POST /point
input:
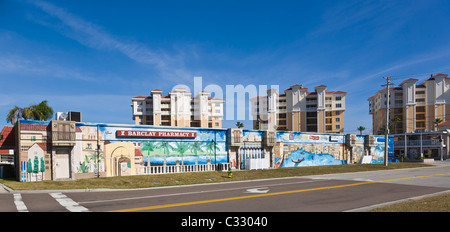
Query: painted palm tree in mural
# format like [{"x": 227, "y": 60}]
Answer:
[
  {"x": 211, "y": 147},
  {"x": 97, "y": 157},
  {"x": 165, "y": 145},
  {"x": 149, "y": 146},
  {"x": 181, "y": 148},
  {"x": 195, "y": 148}
]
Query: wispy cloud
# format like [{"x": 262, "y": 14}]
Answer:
[
  {"x": 40, "y": 67},
  {"x": 93, "y": 36},
  {"x": 356, "y": 84},
  {"x": 350, "y": 14}
]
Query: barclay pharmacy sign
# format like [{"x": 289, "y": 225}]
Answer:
[{"x": 154, "y": 134}]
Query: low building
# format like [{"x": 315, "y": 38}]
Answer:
[
  {"x": 69, "y": 150},
  {"x": 7, "y": 141},
  {"x": 421, "y": 145}
]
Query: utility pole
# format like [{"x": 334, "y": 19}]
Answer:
[{"x": 386, "y": 131}]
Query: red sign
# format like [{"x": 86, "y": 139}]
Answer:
[{"x": 155, "y": 134}]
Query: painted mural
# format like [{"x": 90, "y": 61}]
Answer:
[
  {"x": 143, "y": 146},
  {"x": 294, "y": 149},
  {"x": 116, "y": 150},
  {"x": 377, "y": 151}
]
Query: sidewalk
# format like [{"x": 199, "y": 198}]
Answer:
[
  {"x": 441, "y": 163},
  {"x": 4, "y": 189}
]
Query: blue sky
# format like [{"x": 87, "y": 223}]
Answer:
[{"x": 93, "y": 56}]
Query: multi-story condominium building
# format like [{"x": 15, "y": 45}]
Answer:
[
  {"x": 413, "y": 106},
  {"x": 178, "y": 109},
  {"x": 300, "y": 110}
]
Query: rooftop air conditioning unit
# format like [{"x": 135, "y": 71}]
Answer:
[
  {"x": 62, "y": 116},
  {"x": 74, "y": 116}
]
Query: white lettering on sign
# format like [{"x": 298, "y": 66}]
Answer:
[{"x": 158, "y": 134}]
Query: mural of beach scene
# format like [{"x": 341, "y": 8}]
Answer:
[
  {"x": 377, "y": 151},
  {"x": 294, "y": 149},
  {"x": 206, "y": 146},
  {"x": 188, "y": 153}
]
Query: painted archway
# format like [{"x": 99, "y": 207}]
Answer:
[
  {"x": 115, "y": 156},
  {"x": 123, "y": 166}
]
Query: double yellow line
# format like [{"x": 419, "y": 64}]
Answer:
[{"x": 267, "y": 194}]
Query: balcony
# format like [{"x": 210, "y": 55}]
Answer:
[
  {"x": 63, "y": 133},
  {"x": 416, "y": 143},
  {"x": 63, "y": 138}
]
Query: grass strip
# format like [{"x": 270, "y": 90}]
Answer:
[{"x": 146, "y": 181}]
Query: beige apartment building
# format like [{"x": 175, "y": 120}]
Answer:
[
  {"x": 413, "y": 105},
  {"x": 179, "y": 108},
  {"x": 299, "y": 110}
]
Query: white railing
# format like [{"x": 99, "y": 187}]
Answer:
[
  {"x": 251, "y": 164},
  {"x": 181, "y": 168}
]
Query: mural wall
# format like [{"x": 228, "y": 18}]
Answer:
[
  {"x": 142, "y": 146},
  {"x": 294, "y": 149},
  {"x": 116, "y": 150},
  {"x": 377, "y": 151}
]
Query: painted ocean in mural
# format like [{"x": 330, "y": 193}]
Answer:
[{"x": 301, "y": 158}]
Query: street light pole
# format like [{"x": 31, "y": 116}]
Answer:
[{"x": 386, "y": 144}]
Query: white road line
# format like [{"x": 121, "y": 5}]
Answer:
[
  {"x": 21, "y": 207},
  {"x": 68, "y": 203}
]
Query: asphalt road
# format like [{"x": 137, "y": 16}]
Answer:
[{"x": 324, "y": 193}]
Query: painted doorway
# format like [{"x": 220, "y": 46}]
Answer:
[
  {"x": 123, "y": 166},
  {"x": 62, "y": 164}
]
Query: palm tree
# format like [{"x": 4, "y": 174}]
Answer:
[
  {"x": 17, "y": 112},
  {"x": 361, "y": 129},
  {"x": 165, "y": 145},
  {"x": 382, "y": 130},
  {"x": 395, "y": 120},
  {"x": 196, "y": 147},
  {"x": 436, "y": 123},
  {"x": 211, "y": 146},
  {"x": 149, "y": 146},
  {"x": 181, "y": 148},
  {"x": 239, "y": 124},
  {"x": 41, "y": 112}
]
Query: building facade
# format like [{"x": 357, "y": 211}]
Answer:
[
  {"x": 69, "y": 150},
  {"x": 421, "y": 146},
  {"x": 7, "y": 141},
  {"x": 413, "y": 105},
  {"x": 179, "y": 109},
  {"x": 298, "y": 110}
]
